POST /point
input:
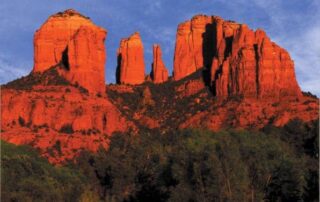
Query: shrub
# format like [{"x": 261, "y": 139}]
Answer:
[
  {"x": 21, "y": 121},
  {"x": 57, "y": 147},
  {"x": 67, "y": 90},
  {"x": 67, "y": 128},
  {"x": 83, "y": 90},
  {"x": 25, "y": 176},
  {"x": 98, "y": 95}
]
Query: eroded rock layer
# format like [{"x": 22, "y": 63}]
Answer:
[{"x": 51, "y": 113}]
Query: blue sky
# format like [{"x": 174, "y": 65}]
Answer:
[{"x": 293, "y": 24}]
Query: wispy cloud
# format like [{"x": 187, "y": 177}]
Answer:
[
  {"x": 9, "y": 71},
  {"x": 307, "y": 59},
  {"x": 153, "y": 7}
]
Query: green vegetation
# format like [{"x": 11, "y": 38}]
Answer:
[
  {"x": 21, "y": 121},
  {"x": 27, "y": 177},
  {"x": 275, "y": 164},
  {"x": 67, "y": 128},
  {"x": 162, "y": 102},
  {"x": 49, "y": 77}
]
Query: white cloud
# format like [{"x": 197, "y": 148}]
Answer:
[
  {"x": 306, "y": 54},
  {"x": 10, "y": 71},
  {"x": 153, "y": 7}
]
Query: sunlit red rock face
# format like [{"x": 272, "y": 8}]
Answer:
[
  {"x": 159, "y": 73},
  {"x": 131, "y": 66},
  {"x": 71, "y": 39},
  {"x": 247, "y": 63},
  {"x": 251, "y": 113},
  {"x": 194, "y": 46},
  {"x": 242, "y": 61},
  {"x": 49, "y": 113}
]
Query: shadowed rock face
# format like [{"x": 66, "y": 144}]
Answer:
[
  {"x": 159, "y": 72},
  {"x": 241, "y": 61},
  {"x": 73, "y": 40},
  {"x": 131, "y": 66},
  {"x": 195, "y": 45}
]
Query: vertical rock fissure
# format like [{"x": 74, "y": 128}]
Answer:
[
  {"x": 228, "y": 50},
  {"x": 104, "y": 122},
  {"x": 119, "y": 59},
  {"x": 209, "y": 46},
  {"x": 65, "y": 59}
]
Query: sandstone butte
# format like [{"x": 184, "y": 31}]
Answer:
[
  {"x": 131, "y": 66},
  {"x": 241, "y": 61},
  {"x": 159, "y": 72},
  {"x": 247, "y": 82},
  {"x": 73, "y": 41}
]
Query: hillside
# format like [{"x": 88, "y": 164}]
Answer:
[{"x": 232, "y": 77}]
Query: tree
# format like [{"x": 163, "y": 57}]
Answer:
[{"x": 27, "y": 177}]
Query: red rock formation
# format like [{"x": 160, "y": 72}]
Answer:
[
  {"x": 57, "y": 107},
  {"x": 247, "y": 63},
  {"x": 47, "y": 113},
  {"x": 243, "y": 62},
  {"x": 70, "y": 145},
  {"x": 253, "y": 113},
  {"x": 159, "y": 73},
  {"x": 131, "y": 67},
  {"x": 184, "y": 63},
  {"x": 86, "y": 57},
  {"x": 194, "y": 46},
  {"x": 190, "y": 87},
  {"x": 73, "y": 40}
]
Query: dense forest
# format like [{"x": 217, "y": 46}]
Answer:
[{"x": 272, "y": 164}]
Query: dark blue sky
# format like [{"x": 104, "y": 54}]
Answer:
[{"x": 293, "y": 24}]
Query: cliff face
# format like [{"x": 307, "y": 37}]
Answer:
[
  {"x": 57, "y": 107},
  {"x": 194, "y": 46},
  {"x": 241, "y": 61},
  {"x": 131, "y": 66},
  {"x": 59, "y": 113},
  {"x": 159, "y": 72},
  {"x": 70, "y": 39},
  {"x": 251, "y": 65},
  {"x": 228, "y": 76}
]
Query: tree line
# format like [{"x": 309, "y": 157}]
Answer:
[{"x": 273, "y": 164}]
